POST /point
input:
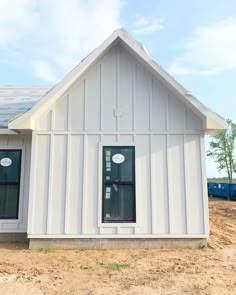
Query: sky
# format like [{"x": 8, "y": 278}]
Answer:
[{"x": 195, "y": 41}]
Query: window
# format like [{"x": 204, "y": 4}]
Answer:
[
  {"x": 118, "y": 184},
  {"x": 10, "y": 166}
]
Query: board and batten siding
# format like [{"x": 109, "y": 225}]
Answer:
[
  {"x": 118, "y": 102},
  {"x": 21, "y": 142}
]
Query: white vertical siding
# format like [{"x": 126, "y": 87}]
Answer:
[
  {"x": 76, "y": 102},
  {"x": 119, "y": 102},
  {"x": 91, "y": 197},
  {"x": 194, "y": 188},
  {"x": 176, "y": 181},
  {"x": 41, "y": 185},
  {"x": 73, "y": 215},
  {"x": 160, "y": 185},
  {"x": 56, "y": 210},
  {"x": 92, "y": 99}
]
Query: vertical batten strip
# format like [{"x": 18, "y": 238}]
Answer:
[
  {"x": 204, "y": 185},
  {"x": 100, "y": 184},
  {"x": 101, "y": 83},
  {"x": 68, "y": 113},
  {"x": 53, "y": 119},
  {"x": 67, "y": 195},
  {"x": 31, "y": 212},
  {"x": 153, "y": 224},
  {"x": 168, "y": 166},
  {"x": 185, "y": 185},
  {"x": 150, "y": 103},
  {"x": 83, "y": 221},
  {"x": 50, "y": 182},
  {"x": 134, "y": 96},
  {"x": 118, "y": 93},
  {"x": 185, "y": 176},
  {"x": 84, "y": 97}
]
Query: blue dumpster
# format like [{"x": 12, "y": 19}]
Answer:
[{"x": 222, "y": 190}]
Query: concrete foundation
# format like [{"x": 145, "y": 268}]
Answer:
[
  {"x": 13, "y": 238},
  {"x": 115, "y": 243}
]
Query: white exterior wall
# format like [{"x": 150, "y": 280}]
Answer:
[
  {"x": 22, "y": 142},
  {"x": 118, "y": 102}
]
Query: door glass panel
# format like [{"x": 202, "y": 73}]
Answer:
[
  {"x": 118, "y": 186},
  {"x": 10, "y": 163}
]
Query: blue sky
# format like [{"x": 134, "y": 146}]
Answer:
[{"x": 41, "y": 41}]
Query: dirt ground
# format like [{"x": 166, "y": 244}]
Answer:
[{"x": 128, "y": 272}]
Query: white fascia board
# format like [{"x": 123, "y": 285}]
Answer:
[
  {"x": 7, "y": 131},
  {"x": 26, "y": 121}
]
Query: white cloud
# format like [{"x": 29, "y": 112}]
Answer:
[
  {"x": 147, "y": 25},
  {"x": 17, "y": 19},
  {"x": 55, "y": 35},
  {"x": 44, "y": 71},
  {"x": 209, "y": 51}
]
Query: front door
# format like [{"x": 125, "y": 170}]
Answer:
[
  {"x": 118, "y": 184},
  {"x": 10, "y": 167}
]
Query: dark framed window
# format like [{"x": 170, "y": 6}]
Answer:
[
  {"x": 119, "y": 184},
  {"x": 10, "y": 168}
]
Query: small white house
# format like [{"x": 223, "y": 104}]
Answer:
[{"x": 112, "y": 156}]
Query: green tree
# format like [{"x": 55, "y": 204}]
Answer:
[{"x": 222, "y": 149}]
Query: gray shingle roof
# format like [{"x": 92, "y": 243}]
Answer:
[{"x": 15, "y": 100}]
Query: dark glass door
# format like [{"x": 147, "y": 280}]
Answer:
[
  {"x": 10, "y": 167},
  {"x": 118, "y": 184}
]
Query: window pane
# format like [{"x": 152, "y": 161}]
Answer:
[
  {"x": 126, "y": 168},
  {"x": 122, "y": 171},
  {"x": 126, "y": 202},
  {"x": 111, "y": 203},
  {"x": 9, "y": 201},
  {"x": 118, "y": 203},
  {"x": 10, "y": 173}
]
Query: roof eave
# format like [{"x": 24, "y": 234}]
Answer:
[
  {"x": 26, "y": 120},
  {"x": 215, "y": 124}
]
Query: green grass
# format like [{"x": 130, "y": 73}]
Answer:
[
  {"x": 67, "y": 259},
  {"x": 45, "y": 250},
  {"x": 114, "y": 266},
  {"x": 199, "y": 247}
]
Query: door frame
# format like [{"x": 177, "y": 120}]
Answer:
[
  {"x": 100, "y": 188},
  {"x": 21, "y": 192}
]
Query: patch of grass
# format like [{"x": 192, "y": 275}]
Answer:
[
  {"x": 45, "y": 250},
  {"x": 199, "y": 247},
  {"x": 114, "y": 266},
  {"x": 67, "y": 259},
  {"x": 86, "y": 267}
]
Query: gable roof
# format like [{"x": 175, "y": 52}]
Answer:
[
  {"x": 15, "y": 100},
  {"x": 214, "y": 122}
]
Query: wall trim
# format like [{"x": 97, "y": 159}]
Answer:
[{"x": 117, "y": 236}]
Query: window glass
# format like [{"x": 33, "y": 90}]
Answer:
[
  {"x": 10, "y": 163},
  {"x": 118, "y": 186}
]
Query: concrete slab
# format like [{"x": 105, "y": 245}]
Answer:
[{"x": 116, "y": 243}]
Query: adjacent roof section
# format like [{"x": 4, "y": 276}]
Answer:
[
  {"x": 214, "y": 122},
  {"x": 15, "y": 100}
]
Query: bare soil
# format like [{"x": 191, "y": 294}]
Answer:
[{"x": 128, "y": 272}]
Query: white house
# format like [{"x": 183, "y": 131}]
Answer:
[{"x": 112, "y": 156}]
